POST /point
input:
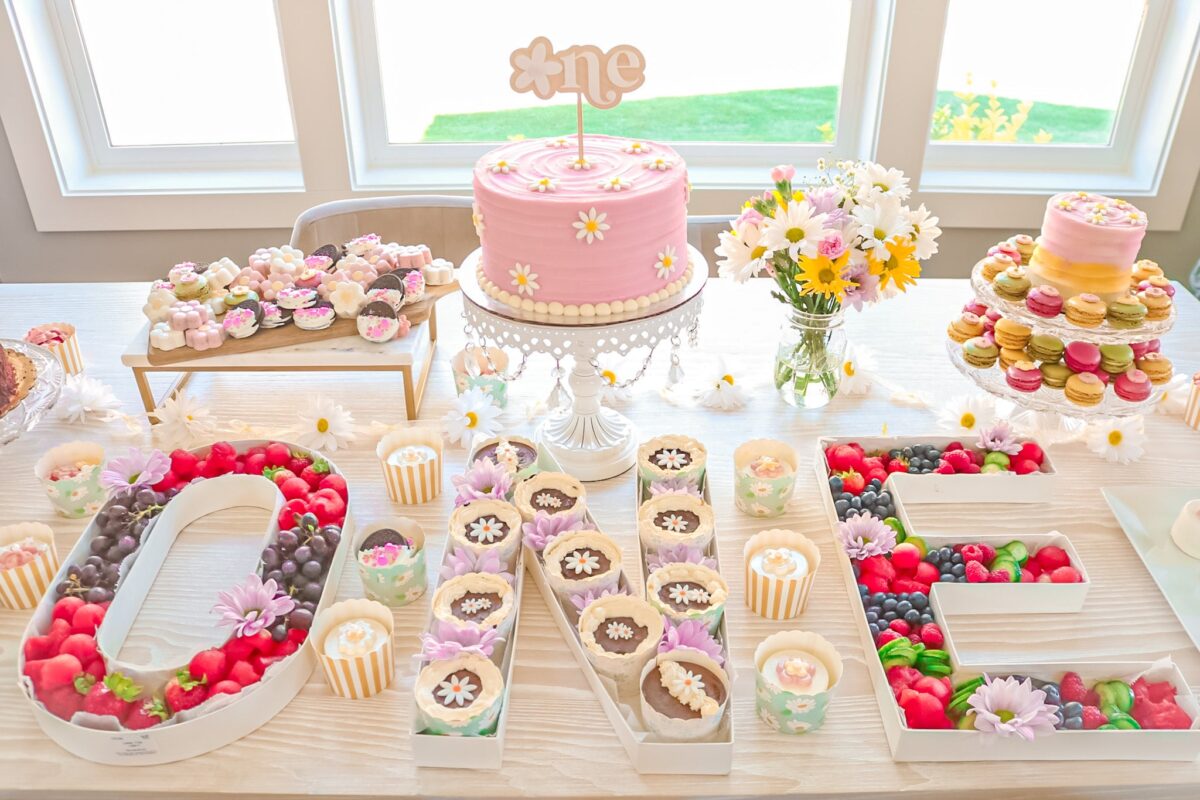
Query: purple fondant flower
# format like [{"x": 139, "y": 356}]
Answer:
[
  {"x": 252, "y": 606},
  {"x": 999, "y": 439},
  {"x": 675, "y": 486},
  {"x": 447, "y": 641},
  {"x": 863, "y": 535},
  {"x": 582, "y": 601},
  {"x": 1008, "y": 707},
  {"x": 546, "y": 527},
  {"x": 691, "y": 633},
  {"x": 462, "y": 561},
  {"x": 483, "y": 481},
  {"x": 679, "y": 554},
  {"x": 138, "y": 468}
]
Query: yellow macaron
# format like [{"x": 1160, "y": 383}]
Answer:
[
  {"x": 1158, "y": 368},
  {"x": 1011, "y": 334},
  {"x": 1084, "y": 389},
  {"x": 968, "y": 326},
  {"x": 1086, "y": 310}
]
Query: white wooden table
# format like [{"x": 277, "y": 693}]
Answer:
[{"x": 559, "y": 744}]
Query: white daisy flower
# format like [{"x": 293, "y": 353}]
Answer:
[
  {"x": 547, "y": 501},
  {"x": 581, "y": 562},
  {"x": 759, "y": 510},
  {"x": 456, "y": 690},
  {"x": 1118, "y": 440},
  {"x": 675, "y": 523},
  {"x": 523, "y": 279},
  {"x": 769, "y": 719},
  {"x": 665, "y": 263},
  {"x": 614, "y": 184},
  {"x": 502, "y": 166},
  {"x": 558, "y": 142},
  {"x": 742, "y": 251},
  {"x": 619, "y": 630},
  {"x": 85, "y": 399},
  {"x": 875, "y": 181},
  {"x": 878, "y": 222},
  {"x": 672, "y": 459},
  {"x": 761, "y": 489},
  {"x": 325, "y": 425},
  {"x": 857, "y": 371},
  {"x": 794, "y": 229},
  {"x": 614, "y": 369},
  {"x": 660, "y": 164},
  {"x": 486, "y": 529},
  {"x": 798, "y": 725},
  {"x": 680, "y": 594},
  {"x": 477, "y": 219},
  {"x": 474, "y": 413},
  {"x": 925, "y": 231},
  {"x": 637, "y": 148},
  {"x": 474, "y": 605},
  {"x": 801, "y": 705},
  {"x": 723, "y": 392},
  {"x": 183, "y": 421},
  {"x": 966, "y": 415},
  {"x": 590, "y": 226},
  {"x": 547, "y": 185}
]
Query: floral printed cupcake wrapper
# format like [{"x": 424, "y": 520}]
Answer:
[
  {"x": 711, "y": 617},
  {"x": 360, "y": 676},
  {"x": 483, "y": 724},
  {"x": 779, "y": 598},
  {"x": 402, "y": 582},
  {"x": 80, "y": 495},
  {"x": 490, "y": 384},
  {"x": 791, "y": 712},
  {"x": 763, "y": 497},
  {"x": 23, "y": 587},
  {"x": 411, "y": 484}
]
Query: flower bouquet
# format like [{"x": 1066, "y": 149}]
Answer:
[{"x": 846, "y": 239}]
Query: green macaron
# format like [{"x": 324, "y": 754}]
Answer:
[
  {"x": 1046, "y": 348},
  {"x": 1126, "y": 312},
  {"x": 1054, "y": 376},
  {"x": 980, "y": 352},
  {"x": 1115, "y": 358},
  {"x": 1012, "y": 284}
]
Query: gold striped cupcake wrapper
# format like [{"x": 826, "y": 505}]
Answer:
[
  {"x": 779, "y": 598},
  {"x": 361, "y": 677},
  {"x": 68, "y": 353},
  {"x": 1191, "y": 413},
  {"x": 413, "y": 484},
  {"x": 22, "y": 587}
]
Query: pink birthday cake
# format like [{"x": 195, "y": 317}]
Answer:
[
  {"x": 1088, "y": 244},
  {"x": 601, "y": 237}
]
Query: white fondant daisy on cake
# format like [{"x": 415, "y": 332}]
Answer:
[
  {"x": 615, "y": 184},
  {"x": 523, "y": 279},
  {"x": 558, "y": 142},
  {"x": 477, "y": 219},
  {"x": 502, "y": 166},
  {"x": 579, "y": 164},
  {"x": 590, "y": 226},
  {"x": 665, "y": 263},
  {"x": 542, "y": 185},
  {"x": 637, "y": 148},
  {"x": 662, "y": 163}
]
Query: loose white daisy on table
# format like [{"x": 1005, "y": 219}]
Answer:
[
  {"x": 723, "y": 392},
  {"x": 183, "y": 421},
  {"x": 742, "y": 252},
  {"x": 966, "y": 415},
  {"x": 85, "y": 399},
  {"x": 857, "y": 371},
  {"x": 879, "y": 222},
  {"x": 325, "y": 425},
  {"x": 590, "y": 226},
  {"x": 524, "y": 280},
  {"x": 1117, "y": 440},
  {"x": 665, "y": 263},
  {"x": 794, "y": 228},
  {"x": 474, "y": 413}
]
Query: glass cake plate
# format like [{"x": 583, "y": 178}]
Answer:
[
  {"x": 992, "y": 380},
  {"x": 41, "y": 397},
  {"x": 1059, "y": 326}
]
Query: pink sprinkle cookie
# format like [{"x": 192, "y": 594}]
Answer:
[
  {"x": 378, "y": 323},
  {"x": 316, "y": 317},
  {"x": 164, "y": 337},
  {"x": 1045, "y": 301},
  {"x": 186, "y": 315},
  {"x": 274, "y": 316},
  {"x": 364, "y": 244},
  {"x": 1133, "y": 386},
  {"x": 294, "y": 297},
  {"x": 318, "y": 263},
  {"x": 240, "y": 322},
  {"x": 207, "y": 337},
  {"x": 414, "y": 286}
]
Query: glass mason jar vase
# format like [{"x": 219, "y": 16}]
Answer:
[{"x": 808, "y": 363}]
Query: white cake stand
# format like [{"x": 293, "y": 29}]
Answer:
[{"x": 590, "y": 441}]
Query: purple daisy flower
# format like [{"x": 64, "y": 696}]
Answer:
[
  {"x": 582, "y": 601},
  {"x": 999, "y": 439},
  {"x": 138, "y": 468},
  {"x": 447, "y": 641},
  {"x": 483, "y": 481},
  {"x": 863, "y": 535},
  {"x": 252, "y": 606},
  {"x": 675, "y": 486},
  {"x": 691, "y": 633},
  {"x": 463, "y": 561},
  {"x": 546, "y": 527},
  {"x": 1008, "y": 707},
  {"x": 863, "y": 288},
  {"x": 679, "y": 554}
]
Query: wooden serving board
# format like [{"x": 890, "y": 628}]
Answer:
[{"x": 289, "y": 335}]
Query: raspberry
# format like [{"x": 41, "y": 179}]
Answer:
[
  {"x": 972, "y": 552},
  {"x": 915, "y": 637},
  {"x": 1071, "y": 688},
  {"x": 909, "y": 585},
  {"x": 1032, "y": 452},
  {"x": 875, "y": 583},
  {"x": 901, "y": 627},
  {"x": 953, "y": 446},
  {"x": 1093, "y": 718},
  {"x": 974, "y": 469},
  {"x": 943, "y": 468},
  {"x": 976, "y": 572},
  {"x": 1065, "y": 575},
  {"x": 878, "y": 565},
  {"x": 989, "y": 553},
  {"x": 1050, "y": 558},
  {"x": 932, "y": 636},
  {"x": 184, "y": 464},
  {"x": 1024, "y": 466},
  {"x": 999, "y": 576},
  {"x": 926, "y": 573},
  {"x": 886, "y": 636},
  {"x": 223, "y": 452},
  {"x": 959, "y": 459}
]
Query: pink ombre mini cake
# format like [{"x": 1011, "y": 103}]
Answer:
[
  {"x": 1088, "y": 245},
  {"x": 563, "y": 238}
]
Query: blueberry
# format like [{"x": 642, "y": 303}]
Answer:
[
  {"x": 868, "y": 497},
  {"x": 845, "y": 496},
  {"x": 888, "y": 616},
  {"x": 913, "y": 470},
  {"x": 902, "y": 596},
  {"x": 926, "y": 618},
  {"x": 876, "y": 484},
  {"x": 885, "y": 497},
  {"x": 961, "y": 579},
  {"x": 912, "y": 616},
  {"x": 1073, "y": 723},
  {"x": 933, "y": 556},
  {"x": 1052, "y": 695},
  {"x": 856, "y": 503},
  {"x": 903, "y": 607},
  {"x": 841, "y": 506},
  {"x": 890, "y": 604},
  {"x": 872, "y": 616},
  {"x": 956, "y": 558},
  {"x": 907, "y": 452},
  {"x": 835, "y": 484},
  {"x": 894, "y": 452},
  {"x": 876, "y": 610},
  {"x": 945, "y": 577},
  {"x": 918, "y": 600},
  {"x": 947, "y": 553},
  {"x": 959, "y": 570},
  {"x": 1072, "y": 709},
  {"x": 874, "y": 629},
  {"x": 878, "y": 598},
  {"x": 934, "y": 454},
  {"x": 863, "y": 590}
]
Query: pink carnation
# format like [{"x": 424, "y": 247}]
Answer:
[
  {"x": 832, "y": 246},
  {"x": 782, "y": 173}
]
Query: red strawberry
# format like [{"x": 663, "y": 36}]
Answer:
[
  {"x": 976, "y": 572},
  {"x": 972, "y": 552},
  {"x": 278, "y": 454},
  {"x": 182, "y": 692},
  {"x": 208, "y": 666},
  {"x": 880, "y": 475},
  {"x": 1093, "y": 718},
  {"x": 279, "y": 474},
  {"x": 82, "y": 646},
  {"x": 95, "y": 669},
  {"x": 65, "y": 608},
  {"x": 886, "y": 636},
  {"x": 255, "y": 464},
  {"x": 314, "y": 473},
  {"x": 297, "y": 635},
  {"x": 1050, "y": 558},
  {"x": 879, "y": 565},
  {"x": 146, "y": 715},
  {"x": 53, "y": 673},
  {"x": 63, "y": 702},
  {"x": 909, "y": 585},
  {"x": 87, "y": 619},
  {"x": 225, "y": 687},
  {"x": 291, "y": 509},
  {"x": 223, "y": 453},
  {"x": 243, "y": 673},
  {"x": 853, "y": 481},
  {"x": 844, "y": 457},
  {"x": 897, "y": 465},
  {"x": 335, "y": 482},
  {"x": 999, "y": 576},
  {"x": 294, "y": 489},
  {"x": 931, "y": 636},
  {"x": 1023, "y": 466},
  {"x": 872, "y": 463},
  {"x": 922, "y": 710},
  {"x": 900, "y": 626},
  {"x": 1032, "y": 452},
  {"x": 926, "y": 573},
  {"x": 112, "y": 696},
  {"x": 329, "y": 507},
  {"x": 1065, "y": 575},
  {"x": 875, "y": 583},
  {"x": 60, "y": 629},
  {"x": 184, "y": 464},
  {"x": 298, "y": 463},
  {"x": 1071, "y": 688}
]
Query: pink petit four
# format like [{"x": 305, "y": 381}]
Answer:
[
  {"x": 309, "y": 278},
  {"x": 186, "y": 315},
  {"x": 206, "y": 337}
]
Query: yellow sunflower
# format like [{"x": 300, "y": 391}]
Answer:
[
  {"x": 900, "y": 267},
  {"x": 823, "y": 275}
]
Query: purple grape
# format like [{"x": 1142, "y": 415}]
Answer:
[
  {"x": 270, "y": 558},
  {"x": 127, "y": 544},
  {"x": 312, "y": 592},
  {"x": 288, "y": 568},
  {"x": 319, "y": 546},
  {"x": 300, "y": 618},
  {"x": 275, "y": 575},
  {"x": 287, "y": 540},
  {"x": 311, "y": 569},
  {"x": 97, "y": 594},
  {"x": 99, "y": 544}
]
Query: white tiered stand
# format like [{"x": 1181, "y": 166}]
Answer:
[
  {"x": 590, "y": 441},
  {"x": 1066, "y": 416}
]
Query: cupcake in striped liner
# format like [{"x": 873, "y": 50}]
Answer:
[
  {"x": 780, "y": 568},
  {"x": 412, "y": 464},
  {"x": 28, "y": 564},
  {"x": 59, "y": 338},
  {"x": 353, "y": 640}
]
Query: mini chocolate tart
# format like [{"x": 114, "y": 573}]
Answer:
[
  {"x": 516, "y": 455},
  {"x": 684, "y": 694},
  {"x": 484, "y": 525},
  {"x": 477, "y": 598},
  {"x": 665, "y": 457},
  {"x": 619, "y": 633},
  {"x": 459, "y": 696},
  {"x": 550, "y": 492},
  {"x": 667, "y": 520},
  {"x": 582, "y": 561},
  {"x": 686, "y": 591}
]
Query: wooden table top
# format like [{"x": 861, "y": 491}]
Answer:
[{"x": 559, "y": 743}]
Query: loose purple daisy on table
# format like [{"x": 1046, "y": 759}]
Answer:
[
  {"x": 137, "y": 468},
  {"x": 252, "y": 606},
  {"x": 863, "y": 535},
  {"x": 483, "y": 481}
]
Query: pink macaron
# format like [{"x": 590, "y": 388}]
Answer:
[
  {"x": 1139, "y": 349},
  {"x": 1082, "y": 357},
  {"x": 989, "y": 319},
  {"x": 1153, "y": 346},
  {"x": 1133, "y": 386},
  {"x": 1024, "y": 376},
  {"x": 975, "y": 307},
  {"x": 1008, "y": 249},
  {"x": 1102, "y": 375},
  {"x": 1045, "y": 301}
]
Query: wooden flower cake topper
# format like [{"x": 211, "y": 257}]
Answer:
[{"x": 586, "y": 70}]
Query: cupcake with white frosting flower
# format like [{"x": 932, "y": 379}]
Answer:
[
  {"x": 688, "y": 591},
  {"x": 460, "y": 696},
  {"x": 476, "y": 598},
  {"x": 582, "y": 561},
  {"x": 483, "y": 525},
  {"x": 668, "y": 520},
  {"x": 684, "y": 694},
  {"x": 666, "y": 457}
]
